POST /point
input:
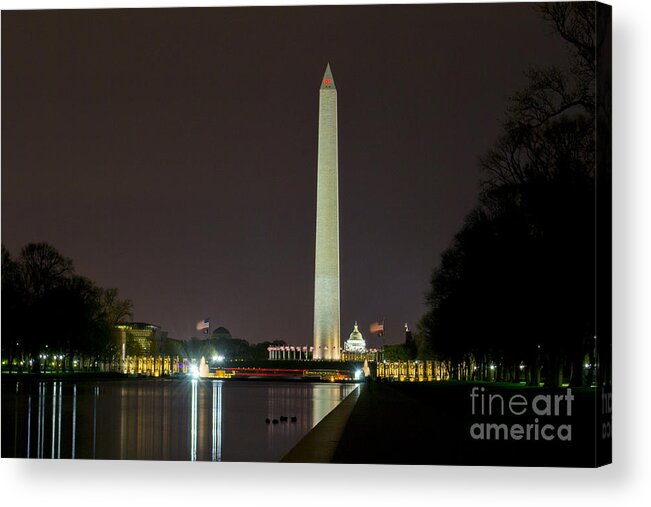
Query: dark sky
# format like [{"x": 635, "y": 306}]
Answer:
[{"x": 171, "y": 153}]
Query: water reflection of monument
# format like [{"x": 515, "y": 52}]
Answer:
[
  {"x": 199, "y": 420},
  {"x": 328, "y": 397}
]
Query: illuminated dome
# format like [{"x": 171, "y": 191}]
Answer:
[
  {"x": 222, "y": 332},
  {"x": 356, "y": 341}
]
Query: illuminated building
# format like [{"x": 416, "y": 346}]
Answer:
[
  {"x": 326, "y": 271},
  {"x": 355, "y": 342},
  {"x": 139, "y": 338}
]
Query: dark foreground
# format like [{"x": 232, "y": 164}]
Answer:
[{"x": 402, "y": 423}]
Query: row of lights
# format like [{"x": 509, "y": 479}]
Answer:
[
  {"x": 54, "y": 356},
  {"x": 522, "y": 366}
]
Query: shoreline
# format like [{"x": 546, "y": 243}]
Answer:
[
  {"x": 105, "y": 376},
  {"x": 321, "y": 442},
  {"x": 64, "y": 376}
]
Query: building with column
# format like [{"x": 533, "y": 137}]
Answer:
[
  {"x": 355, "y": 342},
  {"x": 139, "y": 338}
]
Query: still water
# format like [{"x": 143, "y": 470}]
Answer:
[{"x": 171, "y": 419}]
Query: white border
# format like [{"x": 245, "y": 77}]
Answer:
[{"x": 627, "y": 482}]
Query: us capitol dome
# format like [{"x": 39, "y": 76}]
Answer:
[{"x": 355, "y": 342}]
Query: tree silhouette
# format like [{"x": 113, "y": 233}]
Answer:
[
  {"x": 116, "y": 311},
  {"x": 516, "y": 287},
  {"x": 47, "y": 308}
]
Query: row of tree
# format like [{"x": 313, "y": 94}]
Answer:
[
  {"x": 516, "y": 289},
  {"x": 48, "y": 309}
]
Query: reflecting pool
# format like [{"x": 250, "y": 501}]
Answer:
[{"x": 162, "y": 419}]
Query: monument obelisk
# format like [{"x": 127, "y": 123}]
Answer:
[{"x": 326, "y": 271}]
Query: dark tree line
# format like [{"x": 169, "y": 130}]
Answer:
[
  {"x": 49, "y": 310},
  {"x": 53, "y": 316},
  {"x": 514, "y": 295}
]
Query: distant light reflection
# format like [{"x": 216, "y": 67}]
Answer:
[
  {"x": 74, "y": 418},
  {"x": 29, "y": 422},
  {"x": 54, "y": 415},
  {"x": 304, "y": 405},
  {"x": 217, "y": 420},
  {"x": 95, "y": 395},
  {"x": 214, "y": 420},
  {"x": 16, "y": 422},
  {"x": 39, "y": 426},
  {"x": 193, "y": 422},
  {"x": 59, "y": 421}
]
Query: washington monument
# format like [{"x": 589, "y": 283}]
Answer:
[{"x": 326, "y": 270}]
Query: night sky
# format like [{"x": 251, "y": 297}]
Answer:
[{"x": 171, "y": 153}]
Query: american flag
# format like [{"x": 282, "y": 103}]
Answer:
[
  {"x": 377, "y": 327},
  {"x": 203, "y": 324}
]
